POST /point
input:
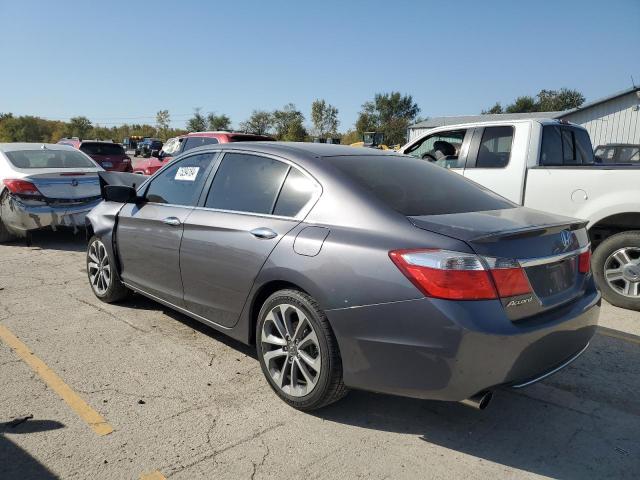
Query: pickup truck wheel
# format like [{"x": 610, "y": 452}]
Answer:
[{"x": 616, "y": 266}]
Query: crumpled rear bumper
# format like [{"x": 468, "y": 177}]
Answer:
[{"x": 20, "y": 217}]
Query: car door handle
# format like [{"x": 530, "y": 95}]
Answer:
[
  {"x": 173, "y": 221},
  {"x": 264, "y": 233}
]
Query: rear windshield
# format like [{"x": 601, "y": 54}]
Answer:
[
  {"x": 102, "y": 148},
  {"x": 416, "y": 187},
  {"x": 249, "y": 138},
  {"x": 48, "y": 159}
]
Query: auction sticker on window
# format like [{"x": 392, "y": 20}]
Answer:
[{"x": 187, "y": 174}]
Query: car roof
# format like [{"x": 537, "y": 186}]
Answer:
[
  {"x": 15, "y": 147},
  {"x": 298, "y": 149}
]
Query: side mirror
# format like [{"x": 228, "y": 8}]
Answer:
[
  {"x": 120, "y": 194},
  {"x": 155, "y": 153}
]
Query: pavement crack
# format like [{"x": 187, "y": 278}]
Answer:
[
  {"x": 110, "y": 314},
  {"x": 257, "y": 466},
  {"x": 172, "y": 469}
]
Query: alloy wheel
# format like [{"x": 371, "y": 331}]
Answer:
[
  {"x": 98, "y": 267},
  {"x": 622, "y": 271},
  {"x": 290, "y": 350}
]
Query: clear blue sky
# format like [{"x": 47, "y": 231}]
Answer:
[{"x": 116, "y": 60}]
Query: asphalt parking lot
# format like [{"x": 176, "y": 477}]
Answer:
[{"x": 138, "y": 391}]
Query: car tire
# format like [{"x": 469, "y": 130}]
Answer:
[
  {"x": 103, "y": 275},
  {"x": 610, "y": 257},
  {"x": 298, "y": 351}
]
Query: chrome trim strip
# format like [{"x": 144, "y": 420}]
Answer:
[
  {"x": 551, "y": 372},
  {"x": 184, "y": 311},
  {"x": 532, "y": 262}
]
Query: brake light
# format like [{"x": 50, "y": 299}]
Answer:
[
  {"x": 21, "y": 187},
  {"x": 461, "y": 276},
  {"x": 509, "y": 277},
  {"x": 584, "y": 262}
]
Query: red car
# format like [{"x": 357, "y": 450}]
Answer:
[
  {"x": 177, "y": 145},
  {"x": 109, "y": 155}
]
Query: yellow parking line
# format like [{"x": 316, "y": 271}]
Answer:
[
  {"x": 71, "y": 398},
  {"x": 627, "y": 337},
  {"x": 155, "y": 475}
]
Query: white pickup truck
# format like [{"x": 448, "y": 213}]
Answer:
[{"x": 549, "y": 165}]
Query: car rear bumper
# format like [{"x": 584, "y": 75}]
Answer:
[
  {"x": 438, "y": 349},
  {"x": 20, "y": 217}
]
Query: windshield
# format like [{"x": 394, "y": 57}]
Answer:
[
  {"x": 49, "y": 159},
  {"x": 416, "y": 187},
  {"x": 171, "y": 147},
  {"x": 101, "y": 148}
]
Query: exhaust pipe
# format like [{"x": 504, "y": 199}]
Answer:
[{"x": 479, "y": 401}]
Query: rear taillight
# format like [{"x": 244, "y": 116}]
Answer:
[
  {"x": 584, "y": 262},
  {"x": 21, "y": 187},
  {"x": 461, "y": 276}
]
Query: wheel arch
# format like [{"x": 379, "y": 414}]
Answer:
[
  {"x": 612, "y": 224},
  {"x": 260, "y": 296}
]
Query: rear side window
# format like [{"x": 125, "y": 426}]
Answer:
[
  {"x": 495, "y": 147},
  {"x": 295, "y": 194},
  {"x": 46, "y": 158},
  {"x": 193, "y": 142},
  {"x": 414, "y": 187},
  {"x": 247, "y": 183},
  {"x": 181, "y": 183},
  {"x": 102, "y": 148},
  {"x": 565, "y": 146}
]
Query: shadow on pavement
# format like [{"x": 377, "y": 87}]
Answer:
[
  {"x": 15, "y": 462},
  {"x": 61, "y": 239},
  {"x": 572, "y": 426}
]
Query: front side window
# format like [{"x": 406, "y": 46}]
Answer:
[
  {"x": 441, "y": 148},
  {"x": 193, "y": 142},
  {"x": 181, "y": 183},
  {"x": 247, "y": 183},
  {"x": 605, "y": 154},
  {"x": 45, "y": 158},
  {"x": 495, "y": 147}
]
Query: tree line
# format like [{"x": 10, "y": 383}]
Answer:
[{"x": 389, "y": 113}]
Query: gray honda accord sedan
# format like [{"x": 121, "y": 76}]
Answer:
[{"x": 351, "y": 268}]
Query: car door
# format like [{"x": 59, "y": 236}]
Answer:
[
  {"x": 446, "y": 148},
  {"x": 253, "y": 201},
  {"x": 148, "y": 234}
]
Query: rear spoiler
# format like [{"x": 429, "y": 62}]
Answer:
[
  {"x": 119, "y": 178},
  {"x": 530, "y": 232}
]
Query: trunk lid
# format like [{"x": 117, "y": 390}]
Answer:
[
  {"x": 67, "y": 187},
  {"x": 546, "y": 246}
]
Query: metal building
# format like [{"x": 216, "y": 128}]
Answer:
[{"x": 613, "y": 119}]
